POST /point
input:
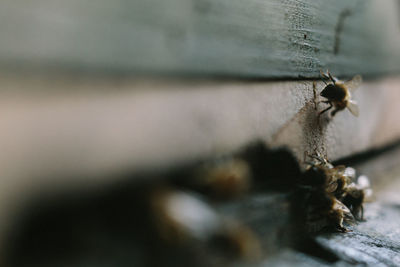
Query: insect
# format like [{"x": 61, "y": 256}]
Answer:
[
  {"x": 179, "y": 216},
  {"x": 356, "y": 194},
  {"x": 337, "y": 214},
  {"x": 338, "y": 94},
  {"x": 324, "y": 211},
  {"x": 185, "y": 218},
  {"x": 324, "y": 186},
  {"x": 321, "y": 173},
  {"x": 224, "y": 179}
]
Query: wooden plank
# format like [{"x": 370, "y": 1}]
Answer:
[
  {"x": 100, "y": 131},
  {"x": 269, "y": 39}
]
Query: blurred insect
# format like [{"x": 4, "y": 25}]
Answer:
[
  {"x": 356, "y": 194},
  {"x": 180, "y": 216},
  {"x": 338, "y": 213},
  {"x": 224, "y": 179},
  {"x": 325, "y": 185},
  {"x": 344, "y": 176},
  {"x": 338, "y": 94},
  {"x": 185, "y": 219},
  {"x": 324, "y": 211}
]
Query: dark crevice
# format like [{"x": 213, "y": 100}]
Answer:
[
  {"x": 339, "y": 28},
  {"x": 121, "y": 74},
  {"x": 367, "y": 155}
]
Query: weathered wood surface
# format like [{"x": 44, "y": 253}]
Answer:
[
  {"x": 268, "y": 39},
  {"x": 98, "y": 133}
]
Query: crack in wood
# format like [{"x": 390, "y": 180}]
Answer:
[{"x": 339, "y": 28}]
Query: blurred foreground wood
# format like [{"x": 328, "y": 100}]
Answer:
[{"x": 112, "y": 225}]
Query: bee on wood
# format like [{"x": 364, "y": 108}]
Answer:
[
  {"x": 338, "y": 213},
  {"x": 185, "y": 218},
  {"x": 324, "y": 211},
  {"x": 224, "y": 179},
  {"x": 343, "y": 178},
  {"x": 321, "y": 173},
  {"x": 356, "y": 194},
  {"x": 338, "y": 94},
  {"x": 324, "y": 186},
  {"x": 179, "y": 216}
]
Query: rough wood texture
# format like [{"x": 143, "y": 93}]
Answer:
[
  {"x": 98, "y": 133},
  {"x": 226, "y": 37}
]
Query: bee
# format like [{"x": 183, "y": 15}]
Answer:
[
  {"x": 321, "y": 173},
  {"x": 324, "y": 185},
  {"x": 338, "y": 94},
  {"x": 343, "y": 178},
  {"x": 180, "y": 216},
  {"x": 356, "y": 194},
  {"x": 224, "y": 179},
  {"x": 324, "y": 211},
  {"x": 184, "y": 218},
  {"x": 338, "y": 213}
]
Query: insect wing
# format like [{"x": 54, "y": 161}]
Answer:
[
  {"x": 368, "y": 195},
  {"x": 353, "y": 107},
  {"x": 331, "y": 187},
  {"x": 363, "y": 182},
  {"x": 354, "y": 83},
  {"x": 340, "y": 169},
  {"x": 350, "y": 172}
]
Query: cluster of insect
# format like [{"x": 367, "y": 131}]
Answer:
[
  {"x": 189, "y": 212},
  {"x": 338, "y": 94},
  {"x": 332, "y": 195},
  {"x": 183, "y": 214}
]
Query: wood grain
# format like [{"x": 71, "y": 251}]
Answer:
[
  {"x": 114, "y": 126},
  {"x": 264, "y": 39}
]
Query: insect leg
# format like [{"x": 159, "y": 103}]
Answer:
[
  {"x": 318, "y": 157},
  {"x": 334, "y": 112},
  {"x": 328, "y": 108},
  {"x": 362, "y": 213},
  {"x": 323, "y": 101},
  {"x": 331, "y": 78},
  {"x": 324, "y": 75}
]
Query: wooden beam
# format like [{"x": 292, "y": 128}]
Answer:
[
  {"x": 265, "y": 39},
  {"x": 78, "y": 131}
]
